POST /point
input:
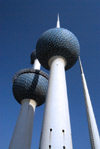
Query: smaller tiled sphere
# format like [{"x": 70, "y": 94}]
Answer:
[
  {"x": 30, "y": 84},
  {"x": 33, "y": 57},
  {"x": 57, "y": 42}
]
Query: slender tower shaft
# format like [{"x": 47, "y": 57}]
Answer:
[
  {"x": 93, "y": 130},
  {"x": 56, "y": 131},
  {"x": 34, "y": 61},
  {"x": 36, "y": 64},
  {"x": 22, "y": 135}
]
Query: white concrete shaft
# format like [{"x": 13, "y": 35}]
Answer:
[
  {"x": 56, "y": 132},
  {"x": 36, "y": 64},
  {"x": 22, "y": 135},
  {"x": 93, "y": 130}
]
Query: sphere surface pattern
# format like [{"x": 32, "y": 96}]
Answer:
[
  {"x": 30, "y": 85},
  {"x": 57, "y": 42}
]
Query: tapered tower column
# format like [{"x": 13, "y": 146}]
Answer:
[
  {"x": 57, "y": 50},
  {"x": 23, "y": 131},
  {"x": 56, "y": 131},
  {"x": 29, "y": 89},
  {"x": 93, "y": 130},
  {"x": 34, "y": 61}
]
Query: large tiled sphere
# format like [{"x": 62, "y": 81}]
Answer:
[
  {"x": 30, "y": 84},
  {"x": 57, "y": 42}
]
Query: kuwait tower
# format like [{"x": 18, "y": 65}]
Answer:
[{"x": 57, "y": 50}]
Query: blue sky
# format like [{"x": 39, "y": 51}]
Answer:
[{"x": 21, "y": 24}]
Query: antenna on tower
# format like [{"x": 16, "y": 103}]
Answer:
[{"x": 58, "y": 21}]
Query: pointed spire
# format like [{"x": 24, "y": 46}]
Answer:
[
  {"x": 81, "y": 68},
  {"x": 92, "y": 125},
  {"x": 58, "y": 21}
]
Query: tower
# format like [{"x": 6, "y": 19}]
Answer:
[
  {"x": 57, "y": 49},
  {"x": 93, "y": 129},
  {"x": 29, "y": 89}
]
